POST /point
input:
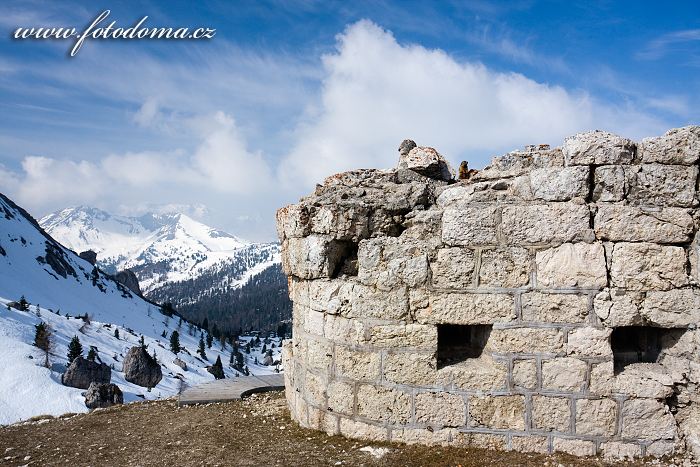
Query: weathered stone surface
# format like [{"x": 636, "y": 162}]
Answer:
[
  {"x": 520, "y": 162},
  {"x": 596, "y": 417},
  {"x": 340, "y": 397},
  {"x": 647, "y": 266},
  {"x": 480, "y": 440},
  {"x": 293, "y": 221},
  {"x": 343, "y": 330},
  {"x": 312, "y": 257},
  {"x": 664, "y": 185},
  {"x": 103, "y": 395},
  {"x": 315, "y": 387},
  {"x": 383, "y": 404},
  {"x": 129, "y": 280},
  {"x": 81, "y": 373},
  {"x": 551, "y": 413},
  {"x": 525, "y": 374},
  {"x": 416, "y": 336},
  {"x": 477, "y": 374},
  {"x": 470, "y": 226},
  {"x": 554, "y": 308},
  {"x": 538, "y": 444},
  {"x": 412, "y": 368},
  {"x": 647, "y": 419},
  {"x": 340, "y": 222},
  {"x": 572, "y": 265},
  {"x": 319, "y": 355},
  {"x": 643, "y": 224},
  {"x": 598, "y": 147},
  {"x": 576, "y": 447},
  {"x": 589, "y": 342},
  {"x": 497, "y": 412},
  {"x": 525, "y": 340},
  {"x": 140, "y": 368},
  {"x": 617, "y": 450},
  {"x": 361, "y": 430},
  {"x": 649, "y": 380},
  {"x": 369, "y": 302},
  {"x": 467, "y": 308},
  {"x": 564, "y": 374},
  {"x": 544, "y": 223},
  {"x": 330, "y": 296},
  {"x": 602, "y": 377},
  {"x": 559, "y": 184},
  {"x": 441, "y": 437},
  {"x": 427, "y": 161},
  {"x": 442, "y": 409},
  {"x": 618, "y": 307},
  {"x": 387, "y": 262},
  {"x": 672, "y": 308},
  {"x": 611, "y": 183},
  {"x": 454, "y": 268},
  {"x": 677, "y": 146},
  {"x": 504, "y": 267},
  {"x": 357, "y": 365}
]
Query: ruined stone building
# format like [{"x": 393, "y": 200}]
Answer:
[{"x": 548, "y": 304}]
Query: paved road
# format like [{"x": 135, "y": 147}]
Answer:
[{"x": 223, "y": 390}]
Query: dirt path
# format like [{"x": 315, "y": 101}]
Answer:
[{"x": 254, "y": 431}]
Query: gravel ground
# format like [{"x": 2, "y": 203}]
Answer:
[{"x": 254, "y": 431}]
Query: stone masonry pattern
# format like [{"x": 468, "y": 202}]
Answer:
[{"x": 559, "y": 257}]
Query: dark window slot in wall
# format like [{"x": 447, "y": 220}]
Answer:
[
  {"x": 641, "y": 344},
  {"x": 458, "y": 343}
]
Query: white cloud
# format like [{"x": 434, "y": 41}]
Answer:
[{"x": 377, "y": 92}]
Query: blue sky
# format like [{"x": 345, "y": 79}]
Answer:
[{"x": 287, "y": 93}]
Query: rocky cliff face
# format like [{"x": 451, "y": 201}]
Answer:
[{"x": 550, "y": 303}]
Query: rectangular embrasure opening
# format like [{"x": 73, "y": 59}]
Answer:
[
  {"x": 640, "y": 344},
  {"x": 457, "y": 342}
]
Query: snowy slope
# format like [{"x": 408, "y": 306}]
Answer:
[
  {"x": 55, "y": 280},
  {"x": 160, "y": 249}
]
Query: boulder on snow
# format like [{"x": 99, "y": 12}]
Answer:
[
  {"x": 426, "y": 161},
  {"x": 141, "y": 369},
  {"x": 267, "y": 361},
  {"x": 89, "y": 256},
  {"x": 81, "y": 373},
  {"x": 100, "y": 395},
  {"x": 129, "y": 279},
  {"x": 180, "y": 363}
]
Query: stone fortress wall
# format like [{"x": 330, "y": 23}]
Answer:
[{"x": 550, "y": 303}]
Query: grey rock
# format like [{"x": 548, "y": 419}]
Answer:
[
  {"x": 100, "y": 395},
  {"x": 180, "y": 363},
  {"x": 141, "y": 369},
  {"x": 81, "y": 373},
  {"x": 89, "y": 256},
  {"x": 427, "y": 161},
  {"x": 129, "y": 279},
  {"x": 406, "y": 146}
]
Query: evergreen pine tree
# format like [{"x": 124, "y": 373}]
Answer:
[
  {"x": 142, "y": 342},
  {"x": 210, "y": 340},
  {"x": 217, "y": 369},
  {"x": 42, "y": 336},
  {"x": 247, "y": 347},
  {"x": 75, "y": 349},
  {"x": 164, "y": 334},
  {"x": 116, "y": 333},
  {"x": 264, "y": 348},
  {"x": 232, "y": 357},
  {"x": 23, "y": 304},
  {"x": 92, "y": 354},
  {"x": 201, "y": 351},
  {"x": 175, "y": 342}
]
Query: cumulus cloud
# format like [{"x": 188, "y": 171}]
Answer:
[{"x": 376, "y": 92}]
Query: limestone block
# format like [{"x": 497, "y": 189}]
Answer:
[
  {"x": 676, "y": 146},
  {"x": 554, "y": 308},
  {"x": 504, "y": 412},
  {"x": 469, "y": 225},
  {"x": 489, "y": 441},
  {"x": 672, "y": 308},
  {"x": 441, "y": 409},
  {"x": 418, "y": 369},
  {"x": 418, "y": 299},
  {"x": 383, "y": 404},
  {"x": 293, "y": 221},
  {"x": 341, "y": 222},
  {"x": 660, "y": 448},
  {"x": 330, "y": 296},
  {"x": 564, "y": 374},
  {"x": 440, "y": 437},
  {"x": 647, "y": 266},
  {"x": 340, "y": 397},
  {"x": 386, "y": 262},
  {"x": 356, "y": 364},
  {"x": 520, "y": 162},
  {"x": 589, "y": 342},
  {"x": 360, "y": 430},
  {"x": 575, "y": 447},
  {"x": 330, "y": 424},
  {"x": 313, "y": 321},
  {"x": 647, "y": 419},
  {"x": 617, "y": 450},
  {"x": 611, "y": 183},
  {"x": 525, "y": 340},
  {"x": 319, "y": 355},
  {"x": 372, "y": 303},
  {"x": 504, "y": 267},
  {"x": 618, "y": 307},
  {"x": 315, "y": 389},
  {"x": 559, "y": 184},
  {"x": 643, "y": 224},
  {"x": 467, "y": 308},
  {"x": 477, "y": 374},
  {"x": 416, "y": 336},
  {"x": 596, "y": 417},
  {"x": 298, "y": 291},
  {"x": 525, "y": 373},
  {"x": 312, "y": 257},
  {"x": 644, "y": 380},
  {"x": 545, "y": 223},
  {"x": 454, "y": 268},
  {"x": 551, "y": 413},
  {"x": 427, "y": 161},
  {"x": 664, "y": 185},
  {"x": 538, "y": 444},
  {"x": 602, "y": 377},
  {"x": 597, "y": 147},
  {"x": 343, "y": 330},
  {"x": 572, "y": 265}
]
